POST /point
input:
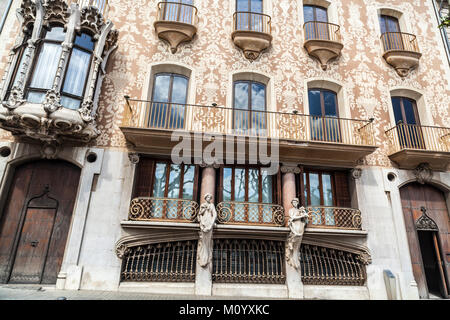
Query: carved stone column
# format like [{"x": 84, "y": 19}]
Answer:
[
  {"x": 288, "y": 184},
  {"x": 203, "y": 274}
]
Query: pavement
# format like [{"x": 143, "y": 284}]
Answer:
[{"x": 42, "y": 292}]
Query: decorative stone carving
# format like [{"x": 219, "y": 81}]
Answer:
[
  {"x": 214, "y": 165},
  {"x": 297, "y": 223},
  {"x": 423, "y": 173},
  {"x": 356, "y": 173},
  {"x": 52, "y": 101},
  {"x": 425, "y": 223},
  {"x": 55, "y": 10},
  {"x": 365, "y": 258},
  {"x": 290, "y": 169},
  {"x": 15, "y": 99},
  {"x": 28, "y": 12},
  {"x": 134, "y": 158},
  {"x": 206, "y": 217},
  {"x": 122, "y": 251},
  {"x": 92, "y": 19},
  {"x": 49, "y": 151}
]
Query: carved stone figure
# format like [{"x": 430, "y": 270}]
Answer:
[
  {"x": 206, "y": 217},
  {"x": 297, "y": 223}
]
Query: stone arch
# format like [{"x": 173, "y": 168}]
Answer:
[{"x": 329, "y": 84}]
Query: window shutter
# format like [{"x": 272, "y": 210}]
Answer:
[
  {"x": 342, "y": 191},
  {"x": 143, "y": 185}
]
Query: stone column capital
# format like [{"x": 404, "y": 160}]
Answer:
[{"x": 290, "y": 168}]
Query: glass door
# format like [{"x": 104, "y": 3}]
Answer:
[
  {"x": 408, "y": 126},
  {"x": 316, "y": 22},
  {"x": 323, "y": 110},
  {"x": 390, "y": 27}
]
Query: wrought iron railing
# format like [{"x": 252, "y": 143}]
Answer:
[
  {"x": 150, "y": 208},
  {"x": 177, "y": 12},
  {"x": 248, "y": 261},
  {"x": 411, "y": 136},
  {"x": 317, "y": 30},
  {"x": 279, "y": 125},
  {"x": 168, "y": 262},
  {"x": 399, "y": 41},
  {"x": 101, "y": 5},
  {"x": 251, "y": 21},
  {"x": 230, "y": 212},
  {"x": 334, "y": 217},
  {"x": 325, "y": 266}
]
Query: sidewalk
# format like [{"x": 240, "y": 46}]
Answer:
[{"x": 38, "y": 292}]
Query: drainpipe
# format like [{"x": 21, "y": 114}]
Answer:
[
  {"x": 2, "y": 22},
  {"x": 444, "y": 34}
]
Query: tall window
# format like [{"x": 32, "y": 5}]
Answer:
[
  {"x": 178, "y": 10},
  {"x": 390, "y": 28},
  {"x": 248, "y": 184},
  {"x": 408, "y": 125},
  {"x": 323, "y": 110},
  {"x": 46, "y": 65},
  {"x": 77, "y": 71},
  {"x": 167, "y": 109},
  {"x": 249, "y": 107},
  {"x": 249, "y": 15},
  {"x": 316, "y": 19}
]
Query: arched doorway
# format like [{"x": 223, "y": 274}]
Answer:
[
  {"x": 427, "y": 226},
  {"x": 35, "y": 221}
]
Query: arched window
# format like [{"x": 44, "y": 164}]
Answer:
[
  {"x": 323, "y": 110},
  {"x": 77, "y": 71},
  {"x": 408, "y": 124},
  {"x": 249, "y": 103},
  {"x": 46, "y": 65},
  {"x": 169, "y": 96},
  {"x": 314, "y": 18}
]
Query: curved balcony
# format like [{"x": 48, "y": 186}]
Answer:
[
  {"x": 333, "y": 217},
  {"x": 176, "y": 23},
  {"x": 411, "y": 145},
  {"x": 401, "y": 51},
  {"x": 231, "y": 212},
  {"x": 251, "y": 33},
  {"x": 323, "y": 41},
  {"x": 162, "y": 209}
]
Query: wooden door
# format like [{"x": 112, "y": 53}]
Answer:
[
  {"x": 36, "y": 220},
  {"x": 434, "y": 265}
]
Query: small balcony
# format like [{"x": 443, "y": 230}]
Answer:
[
  {"x": 334, "y": 218},
  {"x": 251, "y": 33},
  {"x": 234, "y": 212},
  {"x": 411, "y": 145},
  {"x": 314, "y": 140},
  {"x": 176, "y": 23},
  {"x": 323, "y": 41},
  {"x": 401, "y": 51},
  {"x": 162, "y": 209}
]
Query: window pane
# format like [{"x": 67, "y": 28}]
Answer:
[
  {"x": 397, "y": 109},
  {"x": 174, "y": 181},
  {"x": 45, "y": 69},
  {"x": 258, "y": 96},
  {"x": 327, "y": 190},
  {"x": 77, "y": 72},
  {"x": 306, "y": 190},
  {"x": 70, "y": 103},
  {"x": 161, "y": 88},
  {"x": 241, "y": 117},
  {"x": 239, "y": 184},
  {"x": 308, "y": 13},
  {"x": 253, "y": 185},
  {"x": 35, "y": 97},
  {"x": 329, "y": 99},
  {"x": 266, "y": 187},
  {"x": 177, "y": 109},
  {"x": 409, "y": 111},
  {"x": 314, "y": 103},
  {"x": 321, "y": 14},
  {"x": 188, "y": 182},
  {"x": 56, "y": 33},
  {"x": 256, "y": 6},
  {"x": 227, "y": 176},
  {"x": 85, "y": 41},
  {"x": 382, "y": 24},
  {"x": 242, "y": 5},
  {"x": 314, "y": 189},
  {"x": 393, "y": 24},
  {"x": 159, "y": 184},
  {"x": 179, "y": 89}
]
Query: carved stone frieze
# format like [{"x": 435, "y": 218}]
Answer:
[
  {"x": 55, "y": 10},
  {"x": 15, "y": 99},
  {"x": 28, "y": 12},
  {"x": 290, "y": 169},
  {"x": 356, "y": 173},
  {"x": 92, "y": 19}
]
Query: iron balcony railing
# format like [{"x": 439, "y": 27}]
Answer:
[
  {"x": 334, "y": 217},
  {"x": 412, "y": 136},
  {"x": 177, "y": 12},
  {"x": 151, "y": 208},
  {"x": 101, "y": 5},
  {"x": 268, "y": 124},
  {"x": 317, "y": 30},
  {"x": 233, "y": 212},
  {"x": 251, "y": 21},
  {"x": 399, "y": 41}
]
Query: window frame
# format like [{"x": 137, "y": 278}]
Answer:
[
  {"x": 250, "y": 7},
  {"x": 63, "y": 79},
  {"x": 402, "y": 109},
  {"x": 314, "y": 12},
  {"x": 250, "y": 105},
  {"x": 305, "y": 172},
  {"x": 20, "y": 52}
]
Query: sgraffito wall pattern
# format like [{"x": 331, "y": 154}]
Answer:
[{"x": 364, "y": 75}]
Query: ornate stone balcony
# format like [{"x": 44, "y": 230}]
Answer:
[
  {"x": 176, "y": 23},
  {"x": 411, "y": 145},
  {"x": 57, "y": 115},
  {"x": 251, "y": 33},
  {"x": 401, "y": 51},
  {"x": 313, "y": 140},
  {"x": 322, "y": 41}
]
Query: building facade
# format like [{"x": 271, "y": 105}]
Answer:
[{"x": 349, "y": 98}]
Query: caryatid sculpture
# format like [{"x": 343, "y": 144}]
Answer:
[
  {"x": 206, "y": 217},
  {"x": 297, "y": 223}
]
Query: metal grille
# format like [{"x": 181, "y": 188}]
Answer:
[
  {"x": 334, "y": 217},
  {"x": 150, "y": 208},
  {"x": 325, "y": 266},
  {"x": 169, "y": 262},
  {"x": 248, "y": 261},
  {"x": 230, "y": 212}
]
